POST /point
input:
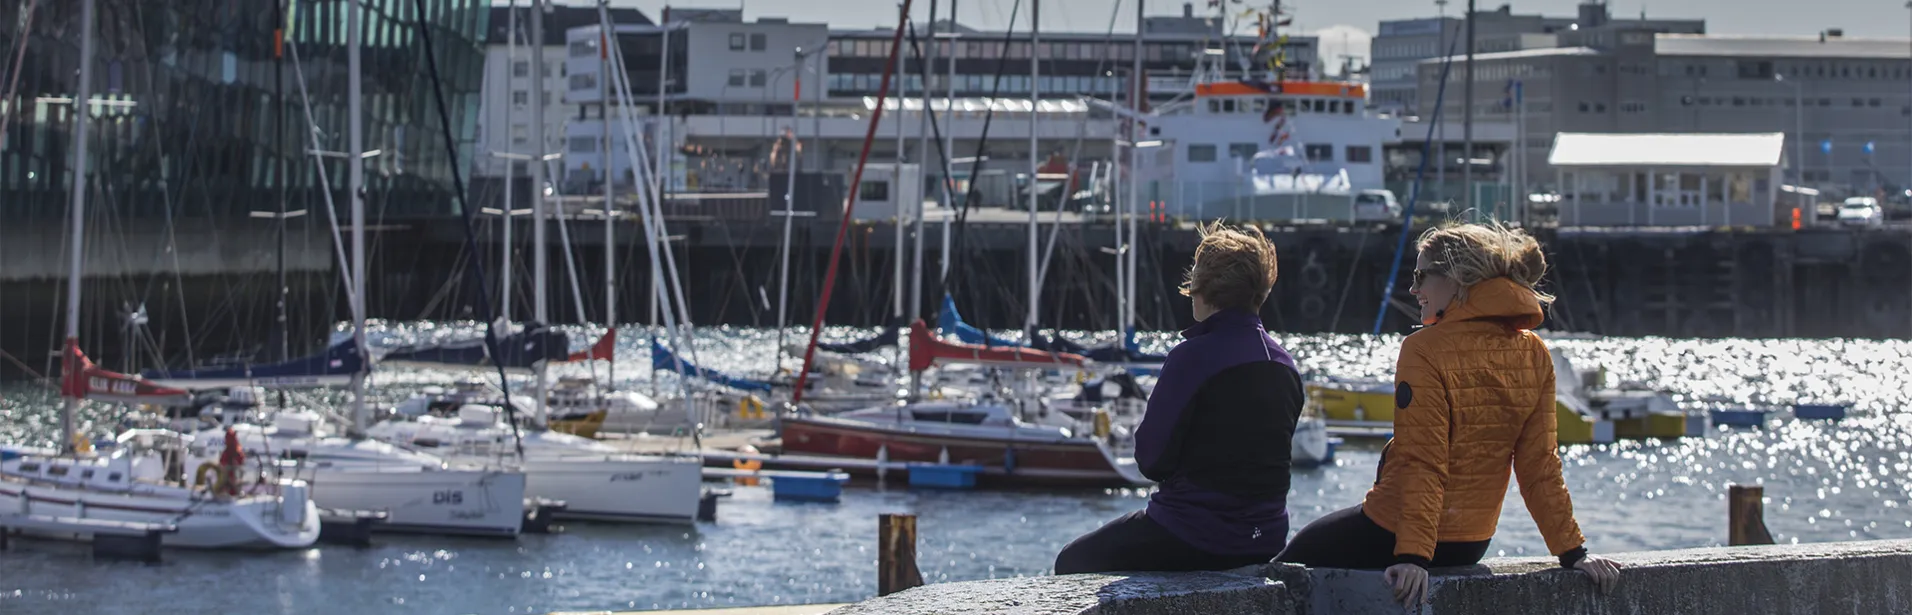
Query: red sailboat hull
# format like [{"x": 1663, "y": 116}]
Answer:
[{"x": 1006, "y": 462}]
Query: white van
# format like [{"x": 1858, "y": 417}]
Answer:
[{"x": 1376, "y": 205}]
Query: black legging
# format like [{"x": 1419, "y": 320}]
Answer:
[
  {"x": 1347, "y": 538},
  {"x": 1135, "y": 543}
]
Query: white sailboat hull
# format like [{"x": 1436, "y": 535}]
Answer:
[
  {"x": 618, "y": 488},
  {"x": 258, "y": 522},
  {"x": 464, "y": 502}
]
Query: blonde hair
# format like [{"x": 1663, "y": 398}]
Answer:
[
  {"x": 1471, "y": 253},
  {"x": 1234, "y": 267}
]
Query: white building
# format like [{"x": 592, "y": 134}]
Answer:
[
  {"x": 1669, "y": 179},
  {"x": 504, "y": 108}
]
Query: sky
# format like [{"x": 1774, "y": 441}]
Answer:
[{"x": 1344, "y": 26}]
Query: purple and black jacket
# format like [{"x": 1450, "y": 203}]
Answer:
[{"x": 1217, "y": 437}]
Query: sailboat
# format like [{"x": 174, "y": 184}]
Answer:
[
  {"x": 593, "y": 480},
  {"x": 989, "y": 432},
  {"x": 418, "y": 492},
  {"x": 72, "y": 496}
]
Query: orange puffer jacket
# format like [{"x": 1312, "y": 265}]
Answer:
[{"x": 1475, "y": 399}]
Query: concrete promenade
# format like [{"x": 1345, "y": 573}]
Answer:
[{"x": 1849, "y": 578}]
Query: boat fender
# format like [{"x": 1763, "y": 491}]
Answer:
[
  {"x": 747, "y": 465},
  {"x": 219, "y": 482},
  {"x": 81, "y": 444},
  {"x": 1009, "y": 461},
  {"x": 1102, "y": 424}
]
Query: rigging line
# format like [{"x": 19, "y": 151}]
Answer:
[
  {"x": 318, "y": 164},
  {"x": 1346, "y": 285},
  {"x": 849, "y": 208},
  {"x": 467, "y": 214},
  {"x": 1075, "y": 154},
  {"x": 1414, "y": 194},
  {"x": 959, "y": 239},
  {"x": 19, "y": 62}
]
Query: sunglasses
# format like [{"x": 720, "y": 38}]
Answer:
[{"x": 1420, "y": 275}]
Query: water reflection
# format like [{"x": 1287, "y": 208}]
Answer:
[{"x": 1824, "y": 481}]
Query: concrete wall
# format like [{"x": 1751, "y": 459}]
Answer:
[
  {"x": 1850, "y": 577},
  {"x": 30, "y": 251}
]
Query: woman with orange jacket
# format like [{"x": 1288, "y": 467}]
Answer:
[{"x": 1474, "y": 402}]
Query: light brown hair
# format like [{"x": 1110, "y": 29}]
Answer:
[
  {"x": 1234, "y": 267},
  {"x": 1473, "y": 253}
]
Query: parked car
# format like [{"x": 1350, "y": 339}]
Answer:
[
  {"x": 1861, "y": 211},
  {"x": 1376, "y": 205}
]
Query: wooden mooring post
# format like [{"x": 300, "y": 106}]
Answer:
[
  {"x": 896, "y": 554},
  {"x": 1746, "y": 516}
]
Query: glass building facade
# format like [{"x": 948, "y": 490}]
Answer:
[{"x": 197, "y": 110}]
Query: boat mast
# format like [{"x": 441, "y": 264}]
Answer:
[
  {"x": 511, "y": 169},
  {"x": 82, "y": 106},
  {"x": 659, "y": 138},
  {"x": 355, "y": 185},
  {"x": 610, "y": 208},
  {"x": 949, "y": 143},
  {"x": 922, "y": 162},
  {"x": 1136, "y": 132},
  {"x": 789, "y": 209},
  {"x": 900, "y": 198},
  {"x": 278, "y": 80},
  {"x": 539, "y": 305},
  {"x": 1035, "y": 162}
]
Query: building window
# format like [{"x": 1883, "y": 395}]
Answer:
[
  {"x": 520, "y": 98},
  {"x": 583, "y": 82},
  {"x": 1244, "y": 151},
  {"x": 737, "y": 41},
  {"x": 520, "y": 68},
  {"x": 1360, "y": 153},
  {"x": 518, "y": 132},
  {"x": 1320, "y": 153},
  {"x": 545, "y": 98},
  {"x": 1632, "y": 107},
  {"x": 759, "y": 41},
  {"x": 737, "y": 77},
  {"x": 873, "y": 191},
  {"x": 757, "y": 78},
  {"x": 582, "y": 145},
  {"x": 584, "y": 48},
  {"x": 1201, "y": 152}
]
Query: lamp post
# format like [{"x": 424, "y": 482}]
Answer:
[{"x": 1799, "y": 128}]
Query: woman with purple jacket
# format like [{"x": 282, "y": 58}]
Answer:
[{"x": 1217, "y": 434}]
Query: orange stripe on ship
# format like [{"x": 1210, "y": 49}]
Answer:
[{"x": 1288, "y": 88}]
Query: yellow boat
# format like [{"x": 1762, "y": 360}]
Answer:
[{"x": 1587, "y": 411}]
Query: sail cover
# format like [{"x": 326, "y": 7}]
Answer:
[
  {"x": 80, "y": 378},
  {"x": 887, "y": 338},
  {"x": 520, "y": 351},
  {"x": 663, "y": 359},
  {"x": 334, "y": 367},
  {"x": 926, "y": 350}
]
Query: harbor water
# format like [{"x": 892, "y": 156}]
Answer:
[{"x": 1848, "y": 480}]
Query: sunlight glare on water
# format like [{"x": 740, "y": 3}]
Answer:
[{"x": 1824, "y": 482}]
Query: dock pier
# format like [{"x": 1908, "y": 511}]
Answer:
[{"x": 1677, "y": 282}]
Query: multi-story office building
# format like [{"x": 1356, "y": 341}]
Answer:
[
  {"x": 198, "y": 125},
  {"x": 185, "y": 100},
  {"x": 1400, "y": 46},
  {"x": 1842, "y": 102}
]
